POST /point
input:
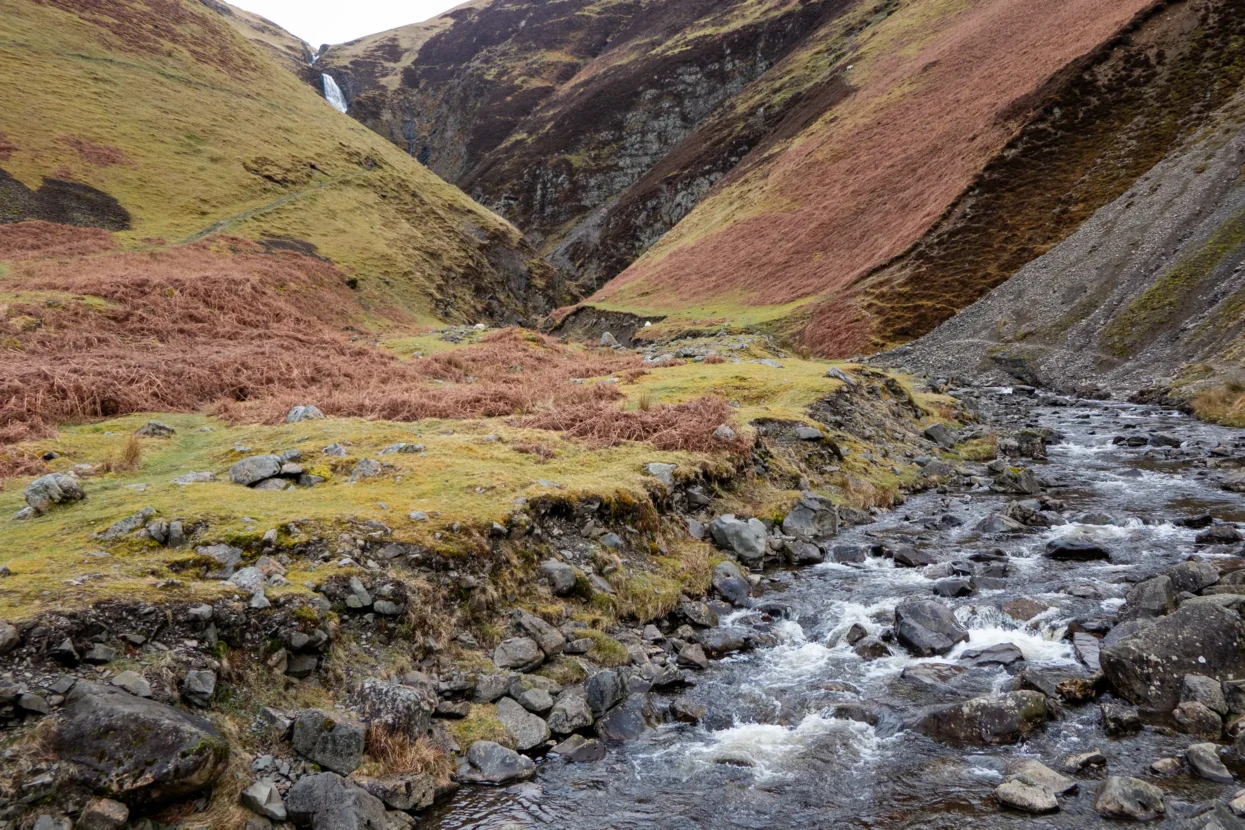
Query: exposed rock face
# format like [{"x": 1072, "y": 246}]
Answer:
[
  {"x": 137, "y": 750},
  {"x": 333, "y": 743},
  {"x": 1148, "y": 668},
  {"x": 393, "y": 707}
]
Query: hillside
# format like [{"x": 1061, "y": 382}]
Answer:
[{"x": 797, "y": 161}]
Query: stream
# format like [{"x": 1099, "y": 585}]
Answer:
[{"x": 771, "y": 753}]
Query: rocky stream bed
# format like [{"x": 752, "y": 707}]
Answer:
[{"x": 1120, "y": 550}]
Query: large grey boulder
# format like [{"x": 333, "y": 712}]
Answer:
[
  {"x": 1152, "y": 598},
  {"x": 927, "y": 627},
  {"x": 730, "y": 583},
  {"x": 986, "y": 721},
  {"x": 1204, "y": 760},
  {"x": 393, "y": 707},
  {"x": 1148, "y": 667},
  {"x": 560, "y": 576},
  {"x": 547, "y": 637},
  {"x": 1131, "y": 798},
  {"x": 528, "y": 731},
  {"x": 1193, "y": 576},
  {"x": 1027, "y": 798},
  {"x": 570, "y": 712},
  {"x": 198, "y": 687},
  {"x": 251, "y": 471},
  {"x": 263, "y": 798},
  {"x": 605, "y": 690},
  {"x": 329, "y": 802},
  {"x": 304, "y": 413},
  {"x": 45, "y": 492},
  {"x": 333, "y": 743},
  {"x": 744, "y": 538},
  {"x": 814, "y": 517},
  {"x": 1205, "y": 690},
  {"x": 492, "y": 763},
  {"x": 10, "y": 637},
  {"x": 628, "y": 720},
  {"x": 134, "y": 749},
  {"x": 520, "y": 653}
]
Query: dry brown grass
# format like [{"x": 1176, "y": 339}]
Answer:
[
  {"x": 28, "y": 240},
  {"x": 130, "y": 456},
  {"x": 396, "y": 754},
  {"x": 685, "y": 426},
  {"x": 1225, "y": 404},
  {"x": 15, "y": 463}
]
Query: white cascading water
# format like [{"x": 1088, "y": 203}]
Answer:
[{"x": 333, "y": 93}]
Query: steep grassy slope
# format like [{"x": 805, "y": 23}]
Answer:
[
  {"x": 1150, "y": 291},
  {"x": 290, "y": 51},
  {"x": 159, "y": 120}
]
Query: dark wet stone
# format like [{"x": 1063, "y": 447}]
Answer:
[
  {"x": 927, "y": 627},
  {"x": 628, "y": 720},
  {"x": 1070, "y": 550},
  {"x": 1003, "y": 654},
  {"x": 491, "y": 763},
  {"x": 906, "y": 556},
  {"x": 1120, "y": 718},
  {"x": 329, "y": 802},
  {"x": 1130, "y": 798},
  {"x": 986, "y": 721}
]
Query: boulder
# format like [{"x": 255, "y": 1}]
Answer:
[
  {"x": 570, "y": 712},
  {"x": 10, "y": 637},
  {"x": 305, "y": 412},
  {"x": 746, "y": 539},
  {"x": 134, "y": 749},
  {"x": 251, "y": 471},
  {"x": 1193, "y": 576},
  {"x": 528, "y": 731},
  {"x": 263, "y": 798},
  {"x": 940, "y": 435},
  {"x": 519, "y": 653},
  {"x": 103, "y": 814},
  {"x": 491, "y": 763},
  {"x": 1219, "y": 535},
  {"x": 1037, "y": 774},
  {"x": 403, "y": 791},
  {"x": 730, "y": 583},
  {"x": 1075, "y": 550},
  {"x": 907, "y": 556},
  {"x": 393, "y": 707},
  {"x": 1026, "y": 797},
  {"x": 580, "y": 750},
  {"x": 1131, "y": 798},
  {"x": 1195, "y": 718},
  {"x": 155, "y": 429},
  {"x": 1204, "y": 760},
  {"x": 365, "y": 469},
  {"x": 1153, "y": 598},
  {"x": 605, "y": 690},
  {"x": 547, "y": 637},
  {"x": 628, "y": 720},
  {"x": 198, "y": 687},
  {"x": 926, "y": 627},
  {"x": 1205, "y": 690},
  {"x": 333, "y": 743},
  {"x": 1148, "y": 667},
  {"x": 47, "y": 491},
  {"x": 1119, "y": 719},
  {"x": 1000, "y": 654},
  {"x": 986, "y": 721},
  {"x": 813, "y": 517},
  {"x": 560, "y": 576},
  {"x": 662, "y": 472},
  {"x": 329, "y": 802}
]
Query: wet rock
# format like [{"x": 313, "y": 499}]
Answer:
[
  {"x": 1194, "y": 718},
  {"x": 720, "y": 642},
  {"x": 1167, "y": 767},
  {"x": 804, "y": 553},
  {"x": 519, "y": 653},
  {"x": 986, "y": 721},
  {"x": 628, "y": 720},
  {"x": 1074, "y": 550},
  {"x": 1148, "y": 668},
  {"x": 692, "y": 656},
  {"x": 1088, "y": 649},
  {"x": 1082, "y": 761},
  {"x": 1119, "y": 719},
  {"x": 47, "y": 491},
  {"x": 814, "y": 517},
  {"x": 198, "y": 687},
  {"x": 697, "y": 613},
  {"x": 1016, "y": 482},
  {"x": 871, "y": 648},
  {"x": 746, "y": 539},
  {"x": 333, "y": 743},
  {"x": 1024, "y": 609},
  {"x": 1026, "y": 797},
  {"x": 263, "y": 798},
  {"x": 393, "y": 707},
  {"x": 103, "y": 814},
  {"x": 940, "y": 435},
  {"x": 1204, "y": 760},
  {"x": 137, "y": 750},
  {"x": 927, "y": 627},
  {"x": 560, "y": 576},
  {"x": 605, "y": 690},
  {"x": 1002, "y": 654},
  {"x": 404, "y": 791},
  {"x": 730, "y": 583},
  {"x": 1193, "y": 576},
  {"x": 1153, "y": 598},
  {"x": 954, "y": 587},
  {"x": 1219, "y": 535},
  {"x": 1129, "y": 798},
  {"x": 684, "y": 710},
  {"x": 528, "y": 731},
  {"x": 997, "y": 525},
  {"x": 329, "y": 802},
  {"x": 570, "y": 713},
  {"x": 251, "y": 471},
  {"x": 848, "y": 554},
  {"x": 1037, "y": 774},
  {"x": 1205, "y": 690},
  {"x": 492, "y": 763}
]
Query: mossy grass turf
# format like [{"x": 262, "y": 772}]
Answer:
[{"x": 470, "y": 474}]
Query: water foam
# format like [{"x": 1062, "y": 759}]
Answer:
[{"x": 774, "y": 751}]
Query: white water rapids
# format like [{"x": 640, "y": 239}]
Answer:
[{"x": 333, "y": 93}]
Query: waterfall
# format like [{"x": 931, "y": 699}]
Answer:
[{"x": 333, "y": 93}]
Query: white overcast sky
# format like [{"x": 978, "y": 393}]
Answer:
[{"x": 337, "y": 21}]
